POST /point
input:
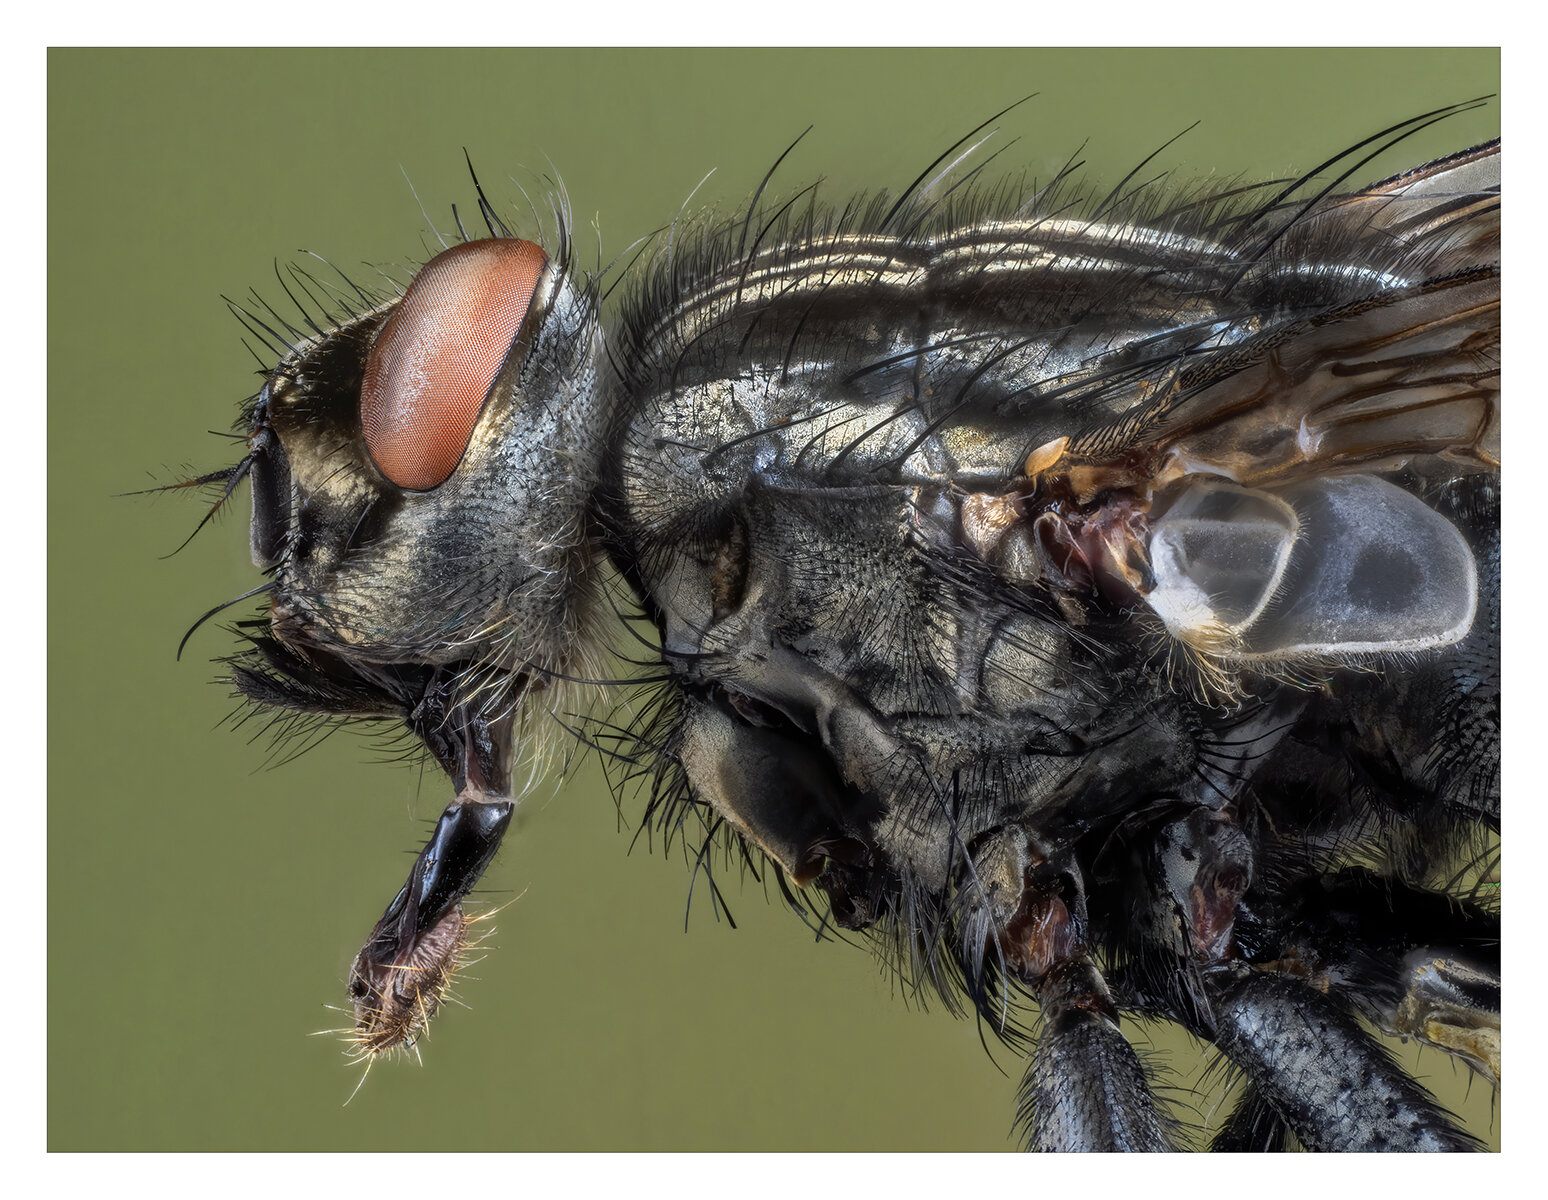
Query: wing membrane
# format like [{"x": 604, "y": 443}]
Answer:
[{"x": 1410, "y": 370}]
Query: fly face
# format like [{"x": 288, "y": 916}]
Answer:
[
  {"x": 1029, "y": 588},
  {"x": 403, "y": 462}
]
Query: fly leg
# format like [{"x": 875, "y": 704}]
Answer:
[
  {"x": 1413, "y": 962},
  {"x": 1328, "y": 1079},
  {"x": 1181, "y": 916},
  {"x": 1452, "y": 1004},
  {"x": 1084, "y": 1088},
  {"x": 1284, "y": 1022},
  {"x": 1253, "y": 1127},
  {"x": 1197, "y": 869}
]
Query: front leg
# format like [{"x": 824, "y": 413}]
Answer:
[{"x": 1084, "y": 1089}]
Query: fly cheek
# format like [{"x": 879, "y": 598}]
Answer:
[{"x": 434, "y": 363}]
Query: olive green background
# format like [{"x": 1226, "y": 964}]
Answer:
[{"x": 202, "y": 907}]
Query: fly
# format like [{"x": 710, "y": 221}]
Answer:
[{"x": 1091, "y": 599}]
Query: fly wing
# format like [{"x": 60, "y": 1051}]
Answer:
[{"x": 1410, "y": 370}]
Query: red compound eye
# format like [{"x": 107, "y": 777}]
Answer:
[{"x": 435, "y": 359}]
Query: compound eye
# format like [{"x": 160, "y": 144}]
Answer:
[{"x": 432, "y": 366}]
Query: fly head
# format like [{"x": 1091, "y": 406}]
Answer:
[{"x": 421, "y": 475}]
